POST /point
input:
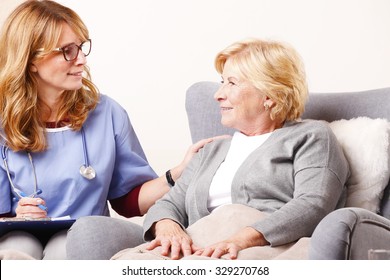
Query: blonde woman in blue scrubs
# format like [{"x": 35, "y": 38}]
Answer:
[{"x": 66, "y": 148}]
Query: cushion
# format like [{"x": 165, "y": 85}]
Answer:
[{"x": 365, "y": 143}]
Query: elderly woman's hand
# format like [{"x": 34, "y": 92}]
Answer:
[
  {"x": 245, "y": 238},
  {"x": 171, "y": 237}
]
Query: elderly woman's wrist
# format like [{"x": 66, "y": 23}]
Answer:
[
  {"x": 250, "y": 237},
  {"x": 163, "y": 225}
]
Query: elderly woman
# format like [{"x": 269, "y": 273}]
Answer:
[{"x": 292, "y": 170}]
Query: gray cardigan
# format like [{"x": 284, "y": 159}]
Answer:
[{"x": 297, "y": 175}]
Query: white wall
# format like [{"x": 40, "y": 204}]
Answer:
[
  {"x": 6, "y": 6},
  {"x": 146, "y": 53}
]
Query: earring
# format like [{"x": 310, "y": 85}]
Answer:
[{"x": 266, "y": 106}]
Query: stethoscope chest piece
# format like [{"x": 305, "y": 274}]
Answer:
[{"x": 87, "y": 172}]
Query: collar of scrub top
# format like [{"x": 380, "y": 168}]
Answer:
[{"x": 86, "y": 170}]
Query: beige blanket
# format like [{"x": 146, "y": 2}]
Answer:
[
  {"x": 8, "y": 254},
  {"x": 220, "y": 225}
]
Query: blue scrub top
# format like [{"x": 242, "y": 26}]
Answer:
[{"x": 113, "y": 151}]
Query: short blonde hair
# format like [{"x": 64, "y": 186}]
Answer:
[
  {"x": 274, "y": 68},
  {"x": 33, "y": 26}
]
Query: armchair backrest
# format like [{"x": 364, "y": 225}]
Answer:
[{"x": 204, "y": 115}]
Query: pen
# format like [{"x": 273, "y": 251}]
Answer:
[{"x": 43, "y": 207}]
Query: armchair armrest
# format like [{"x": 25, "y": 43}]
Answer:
[{"x": 348, "y": 233}]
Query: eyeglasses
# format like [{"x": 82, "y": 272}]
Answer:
[{"x": 71, "y": 51}]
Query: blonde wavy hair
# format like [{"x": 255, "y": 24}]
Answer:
[
  {"x": 274, "y": 68},
  {"x": 31, "y": 27}
]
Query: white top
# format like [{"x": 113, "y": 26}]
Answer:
[{"x": 241, "y": 147}]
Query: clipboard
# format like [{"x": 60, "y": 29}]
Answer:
[{"x": 38, "y": 227}]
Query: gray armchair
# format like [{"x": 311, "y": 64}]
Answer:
[{"x": 346, "y": 233}]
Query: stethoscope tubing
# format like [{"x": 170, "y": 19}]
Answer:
[
  {"x": 86, "y": 161},
  {"x": 19, "y": 194}
]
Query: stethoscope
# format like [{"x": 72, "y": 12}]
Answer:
[{"x": 86, "y": 170}]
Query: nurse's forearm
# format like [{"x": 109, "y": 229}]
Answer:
[
  {"x": 155, "y": 189},
  {"x": 150, "y": 192}
]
